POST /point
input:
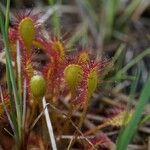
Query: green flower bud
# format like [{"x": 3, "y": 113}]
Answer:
[{"x": 38, "y": 86}]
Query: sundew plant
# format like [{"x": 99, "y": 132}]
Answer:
[{"x": 47, "y": 90}]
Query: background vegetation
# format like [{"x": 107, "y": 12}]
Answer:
[{"x": 116, "y": 29}]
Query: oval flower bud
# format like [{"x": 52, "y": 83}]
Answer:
[
  {"x": 27, "y": 31},
  {"x": 38, "y": 86},
  {"x": 92, "y": 82},
  {"x": 72, "y": 75}
]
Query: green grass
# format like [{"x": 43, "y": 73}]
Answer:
[
  {"x": 131, "y": 128},
  {"x": 16, "y": 112},
  {"x": 129, "y": 10},
  {"x": 55, "y": 18},
  {"x": 111, "y": 7}
]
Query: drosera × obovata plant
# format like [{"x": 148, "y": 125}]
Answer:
[
  {"x": 67, "y": 73},
  {"x": 78, "y": 75}
]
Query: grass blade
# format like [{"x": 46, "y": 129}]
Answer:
[
  {"x": 10, "y": 73},
  {"x": 133, "y": 62},
  {"x": 130, "y": 9},
  {"x": 111, "y": 9},
  {"x": 55, "y": 18},
  {"x": 130, "y": 130}
]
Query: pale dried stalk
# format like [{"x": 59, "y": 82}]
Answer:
[{"x": 49, "y": 125}]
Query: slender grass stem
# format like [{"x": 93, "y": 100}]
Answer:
[
  {"x": 4, "y": 31},
  {"x": 130, "y": 130},
  {"x": 133, "y": 62},
  {"x": 129, "y": 10},
  {"x": 55, "y": 19},
  {"x": 111, "y": 9},
  {"x": 11, "y": 77},
  {"x": 7, "y": 16}
]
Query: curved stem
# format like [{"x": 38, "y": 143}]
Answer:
[
  {"x": 69, "y": 115},
  {"x": 81, "y": 121}
]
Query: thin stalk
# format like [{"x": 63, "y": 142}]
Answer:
[
  {"x": 24, "y": 102},
  {"x": 82, "y": 118},
  {"x": 25, "y": 133},
  {"x": 49, "y": 125},
  {"x": 32, "y": 111},
  {"x": 42, "y": 121},
  {"x": 69, "y": 115},
  {"x": 19, "y": 75},
  {"x": 66, "y": 125},
  {"x": 93, "y": 130},
  {"x": 81, "y": 121}
]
